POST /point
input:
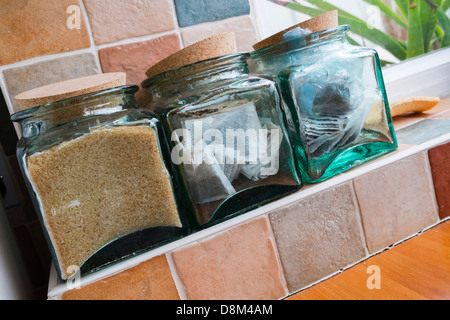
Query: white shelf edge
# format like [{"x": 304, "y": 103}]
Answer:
[{"x": 56, "y": 288}]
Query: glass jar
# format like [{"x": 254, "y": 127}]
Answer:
[
  {"x": 97, "y": 169},
  {"x": 334, "y": 101},
  {"x": 227, "y": 136}
]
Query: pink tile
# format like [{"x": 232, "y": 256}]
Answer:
[
  {"x": 114, "y": 20},
  {"x": 136, "y": 58},
  {"x": 239, "y": 263},
  {"x": 318, "y": 235},
  {"x": 396, "y": 201}
]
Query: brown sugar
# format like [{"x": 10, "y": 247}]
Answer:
[{"x": 101, "y": 186}]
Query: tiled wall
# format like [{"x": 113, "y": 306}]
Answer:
[
  {"x": 294, "y": 246},
  {"x": 40, "y": 43}
]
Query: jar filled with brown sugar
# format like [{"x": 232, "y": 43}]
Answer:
[{"x": 96, "y": 168}]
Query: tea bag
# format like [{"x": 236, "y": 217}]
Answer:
[
  {"x": 207, "y": 179},
  {"x": 270, "y": 137},
  {"x": 225, "y": 144},
  {"x": 330, "y": 101}
]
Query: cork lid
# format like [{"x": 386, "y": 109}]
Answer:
[
  {"x": 215, "y": 46},
  {"x": 69, "y": 88},
  {"x": 321, "y": 22}
]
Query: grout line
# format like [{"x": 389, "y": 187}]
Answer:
[
  {"x": 176, "y": 278},
  {"x": 176, "y": 25},
  {"x": 360, "y": 216},
  {"x": 431, "y": 181},
  {"x": 93, "y": 47},
  {"x": 277, "y": 254}
]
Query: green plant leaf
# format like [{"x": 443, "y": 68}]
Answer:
[
  {"x": 388, "y": 11},
  {"x": 403, "y": 7},
  {"x": 445, "y": 5},
  {"x": 428, "y": 20},
  {"x": 360, "y": 27},
  {"x": 415, "y": 45},
  {"x": 444, "y": 21}
]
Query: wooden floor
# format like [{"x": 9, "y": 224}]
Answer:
[{"x": 416, "y": 269}]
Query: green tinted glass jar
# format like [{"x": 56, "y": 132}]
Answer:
[
  {"x": 98, "y": 171},
  {"x": 227, "y": 136},
  {"x": 334, "y": 101}
]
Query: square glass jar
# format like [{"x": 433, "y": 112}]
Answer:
[
  {"x": 97, "y": 169},
  {"x": 334, "y": 101},
  {"x": 227, "y": 134}
]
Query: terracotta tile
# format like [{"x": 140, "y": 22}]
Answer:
[
  {"x": 396, "y": 201},
  {"x": 150, "y": 280},
  {"x": 243, "y": 27},
  {"x": 136, "y": 58},
  {"x": 443, "y": 115},
  {"x": 440, "y": 169},
  {"x": 318, "y": 235},
  {"x": 239, "y": 263},
  {"x": 113, "y": 20},
  {"x": 406, "y": 120},
  {"x": 34, "y": 75},
  {"x": 35, "y": 28}
]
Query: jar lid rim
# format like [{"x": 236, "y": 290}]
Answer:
[
  {"x": 308, "y": 39},
  {"x": 23, "y": 114},
  {"x": 146, "y": 83}
]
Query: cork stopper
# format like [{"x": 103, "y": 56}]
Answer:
[
  {"x": 69, "y": 88},
  {"x": 321, "y": 22},
  {"x": 215, "y": 46}
]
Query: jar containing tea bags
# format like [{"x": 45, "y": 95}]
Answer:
[
  {"x": 227, "y": 136},
  {"x": 334, "y": 100},
  {"x": 98, "y": 171}
]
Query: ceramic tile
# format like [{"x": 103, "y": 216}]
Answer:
[
  {"x": 396, "y": 201},
  {"x": 114, "y": 20},
  {"x": 423, "y": 131},
  {"x": 150, "y": 280},
  {"x": 443, "y": 115},
  {"x": 440, "y": 169},
  {"x": 135, "y": 58},
  {"x": 191, "y": 12},
  {"x": 243, "y": 27},
  {"x": 318, "y": 235},
  {"x": 20, "y": 79},
  {"x": 35, "y": 28},
  {"x": 239, "y": 263},
  {"x": 400, "y": 122}
]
